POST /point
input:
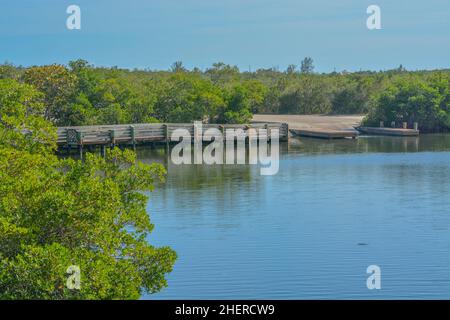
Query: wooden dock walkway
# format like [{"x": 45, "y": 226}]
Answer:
[
  {"x": 325, "y": 133},
  {"x": 133, "y": 134},
  {"x": 401, "y": 132}
]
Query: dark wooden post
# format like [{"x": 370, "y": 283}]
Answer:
[
  {"x": 166, "y": 138},
  {"x": 288, "y": 137},
  {"x": 71, "y": 139},
  {"x": 80, "y": 137},
  {"x": 133, "y": 137},
  {"x": 285, "y": 127},
  {"x": 266, "y": 126},
  {"x": 112, "y": 136},
  {"x": 166, "y": 134},
  {"x": 246, "y": 128}
]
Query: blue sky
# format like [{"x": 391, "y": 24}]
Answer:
[{"x": 248, "y": 33}]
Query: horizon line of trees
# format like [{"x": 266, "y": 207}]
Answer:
[{"x": 82, "y": 94}]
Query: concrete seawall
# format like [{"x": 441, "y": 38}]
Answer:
[{"x": 314, "y": 122}]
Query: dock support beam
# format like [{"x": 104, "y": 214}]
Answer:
[
  {"x": 112, "y": 136},
  {"x": 80, "y": 137},
  {"x": 267, "y": 131},
  {"x": 167, "y": 138},
  {"x": 133, "y": 137}
]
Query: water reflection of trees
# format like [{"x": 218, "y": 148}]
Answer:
[
  {"x": 229, "y": 190},
  {"x": 383, "y": 144},
  {"x": 191, "y": 185}
]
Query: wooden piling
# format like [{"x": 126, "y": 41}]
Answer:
[
  {"x": 81, "y": 151},
  {"x": 167, "y": 138},
  {"x": 266, "y": 126},
  {"x": 133, "y": 137},
  {"x": 79, "y": 138},
  {"x": 112, "y": 136}
]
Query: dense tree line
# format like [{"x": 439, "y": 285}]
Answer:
[
  {"x": 81, "y": 94},
  {"x": 414, "y": 98},
  {"x": 56, "y": 213}
]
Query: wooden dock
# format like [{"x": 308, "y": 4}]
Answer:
[
  {"x": 133, "y": 134},
  {"x": 401, "y": 132},
  {"x": 326, "y": 133}
]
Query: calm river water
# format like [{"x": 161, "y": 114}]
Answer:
[{"x": 311, "y": 231}]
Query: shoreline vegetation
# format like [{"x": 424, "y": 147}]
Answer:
[
  {"x": 58, "y": 215},
  {"x": 71, "y": 229},
  {"x": 82, "y": 94}
]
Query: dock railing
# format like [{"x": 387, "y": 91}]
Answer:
[{"x": 132, "y": 134}]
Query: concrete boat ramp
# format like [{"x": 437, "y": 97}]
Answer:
[
  {"x": 333, "y": 127},
  {"x": 318, "y": 126}
]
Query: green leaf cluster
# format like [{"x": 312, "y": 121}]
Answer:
[{"x": 55, "y": 213}]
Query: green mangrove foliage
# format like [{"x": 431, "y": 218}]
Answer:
[
  {"x": 413, "y": 99},
  {"x": 81, "y": 94},
  {"x": 62, "y": 215}
]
